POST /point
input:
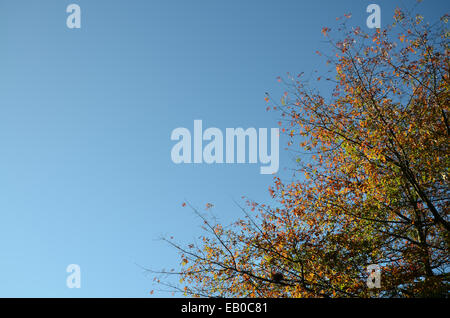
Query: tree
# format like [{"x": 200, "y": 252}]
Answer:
[{"x": 375, "y": 160}]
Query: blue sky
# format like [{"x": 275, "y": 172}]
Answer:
[{"x": 86, "y": 115}]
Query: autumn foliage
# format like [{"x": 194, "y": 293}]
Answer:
[{"x": 371, "y": 184}]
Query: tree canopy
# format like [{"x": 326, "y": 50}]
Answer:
[{"x": 371, "y": 183}]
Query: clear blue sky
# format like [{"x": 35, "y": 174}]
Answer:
[{"x": 86, "y": 116}]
